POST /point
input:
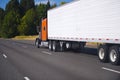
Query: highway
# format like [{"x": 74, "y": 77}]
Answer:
[{"x": 21, "y": 60}]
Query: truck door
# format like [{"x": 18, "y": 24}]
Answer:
[{"x": 44, "y": 30}]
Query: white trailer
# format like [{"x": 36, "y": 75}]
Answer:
[{"x": 84, "y": 21}]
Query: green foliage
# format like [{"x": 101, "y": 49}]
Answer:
[
  {"x": 13, "y": 5},
  {"x": 1, "y": 13},
  {"x": 1, "y": 19},
  {"x": 27, "y": 26},
  {"x": 21, "y": 17},
  {"x": 26, "y": 5},
  {"x": 10, "y": 22},
  {"x": 47, "y": 8},
  {"x": 48, "y": 5},
  {"x": 54, "y": 5},
  {"x": 11, "y": 19},
  {"x": 62, "y": 3},
  {"x": 40, "y": 12}
]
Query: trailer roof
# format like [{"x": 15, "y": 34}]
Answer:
[{"x": 64, "y": 5}]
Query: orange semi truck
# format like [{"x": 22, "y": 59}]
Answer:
[
  {"x": 43, "y": 33},
  {"x": 74, "y": 24}
]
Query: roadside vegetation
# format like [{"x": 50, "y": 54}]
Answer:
[
  {"x": 20, "y": 17},
  {"x": 32, "y": 37}
]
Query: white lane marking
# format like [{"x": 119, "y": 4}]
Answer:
[
  {"x": 26, "y": 78},
  {"x": 4, "y": 56},
  {"x": 47, "y": 52},
  {"x": 115, "y": 71}
]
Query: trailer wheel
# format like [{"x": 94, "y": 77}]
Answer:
[
  {"x": 50, "y": 45},
  {"x": 62, "y": 46},
  {"x": 82, "y": 45},
  {"x": 103, "y": 53},
  {"x": 37, "y": 43},
  {"x": 114, "y": 55},
  {"x": 68, "y": 45},
  {"x": 55, "y": 46}
]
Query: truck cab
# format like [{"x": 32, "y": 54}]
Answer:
[{"x": 43, "y": 33}]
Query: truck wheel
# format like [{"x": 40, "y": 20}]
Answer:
[
  {"x": 37, "y": 43},
  {"x": 55, "y": 46},
  {"x": 82, "y": 45},
  {"x": 103, "y": 53},
  {"x": 62, "y": 46},
  {"x": 50, "y": 45},
  {"x": 114, "y": 55},
  {"x": 68, "y": 45}
]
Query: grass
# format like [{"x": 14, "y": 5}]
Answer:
[{"x": 25, "y": 37}]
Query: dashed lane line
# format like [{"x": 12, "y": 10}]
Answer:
[
  {"x": 26, "y": 78},
  {"x": 4, "y": 56},
  {"x": 111, "y": 70}
]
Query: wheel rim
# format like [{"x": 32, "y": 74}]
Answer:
[
  {"x": 101, "y": 53},
  {"x": 67, "y": 45},
  {"x": 113, "y": 55},
  {"x": 50, "y": 46},
  {"x": 53, "y": 46}
]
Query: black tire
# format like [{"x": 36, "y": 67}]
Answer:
[
  {"x": 103, "y": 53},
  {"x": 114, "y": 55},
  {"x": 68, "y": 46},
  {"x": 50, "y": 45},
  {"x": 62, "y": 46},
  {"x": 55, "y": 46},
  {"x": 37, "y": 43},
  {"x": 82, "y": 45}
]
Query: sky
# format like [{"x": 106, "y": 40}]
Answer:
[{"x": 4, "y": 2}]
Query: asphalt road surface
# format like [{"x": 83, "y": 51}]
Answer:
[{"x": 21, "y": 60}]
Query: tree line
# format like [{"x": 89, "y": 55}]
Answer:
[{"x": 21, "y": 17}]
